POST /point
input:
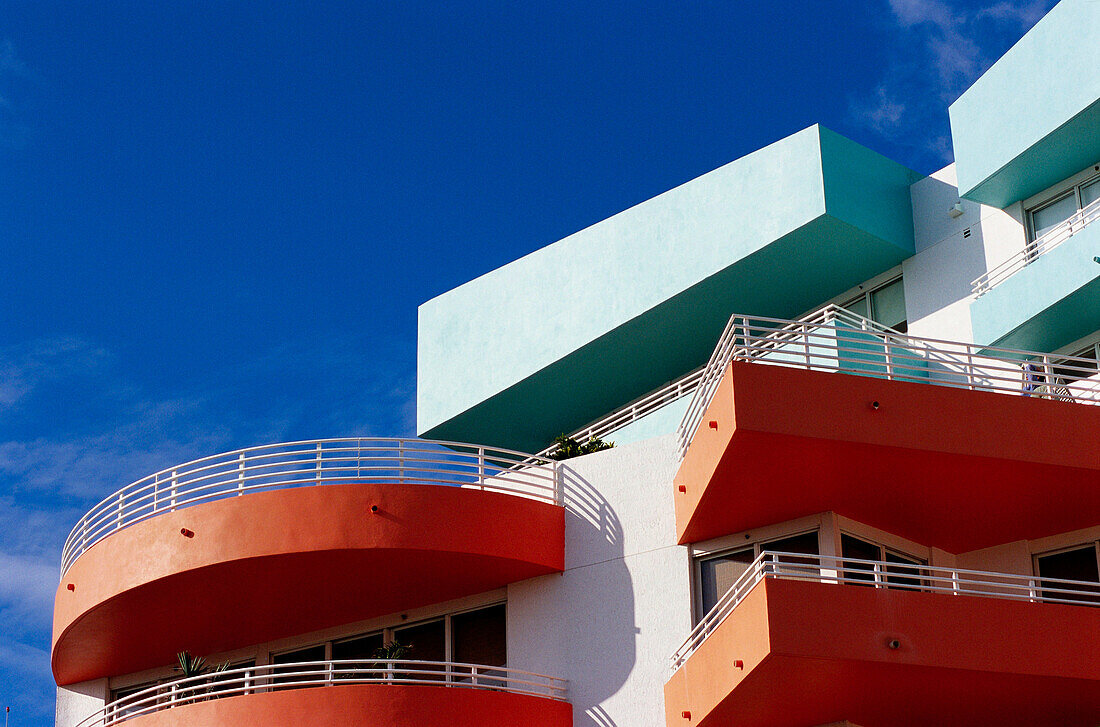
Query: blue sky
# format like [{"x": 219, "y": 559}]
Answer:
[{"x": 217, "y": 219}]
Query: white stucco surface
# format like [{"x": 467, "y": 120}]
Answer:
[
  {"x": 76, "y": 701},
  {"x": 609, "y": 622}
]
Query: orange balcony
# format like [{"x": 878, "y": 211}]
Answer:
[
  {"x": 803, "y": 641},
  {"x": 944, "y": 466},
  {"x": 352, "y": 694},
  {"x": 261, "y": 544}
]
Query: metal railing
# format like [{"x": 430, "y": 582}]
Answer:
[
  {"x": 319, "y": 674},
  {"x": 635, "y": 410},
  {"x": 315, "y": 462},
  {"x": 846, "y": 343},
  {"x": 886, "y": 574},
  {"x": 1035, "y": 249}
]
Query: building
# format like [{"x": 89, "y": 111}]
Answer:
[{"x": 856, "y": 476}]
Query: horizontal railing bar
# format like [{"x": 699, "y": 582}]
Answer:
[
  {"x": 839, "y": 570},
  {"x": 1038, "y": 247},
  {"x": 320, "y": 674},
  {"x": 302, "y": 463},
  {"x": 823, "y": 341}
]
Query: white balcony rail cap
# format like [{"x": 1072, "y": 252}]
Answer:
[
  {"x": 634, "y": 410},
  {"x": 319, "y": 674},
  {"x": 838, "y": 341},
  {"x": 315, "y": 462},
  {"x": 838, "y": 570},
  {"x": 1035, "y": 249}
]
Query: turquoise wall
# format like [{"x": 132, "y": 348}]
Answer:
[
  {"x": 558, "y": 338},
  {"x": 1049, "y": 304},
  {"x": 1033, "y": 119}
]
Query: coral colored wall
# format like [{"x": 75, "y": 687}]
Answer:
[
  {"x": 950, "y": 468},
  {"x": 274, "y": 564}
]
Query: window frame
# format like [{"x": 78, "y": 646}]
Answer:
[
  {"x": 865, "y": 296},
  {"x": 1074, "y": 190},
  {"x": 698, "y": 558}
]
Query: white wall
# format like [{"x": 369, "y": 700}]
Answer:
[
  {"x": 76, "y": 701},
  {"x": 938, "y": 278},
  {"x": 609, "y": 623}
]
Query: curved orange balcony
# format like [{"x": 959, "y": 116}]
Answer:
[
  {"x": 245, "y": 547},
  {"x": 344, "y": 693},
  {"x": 811, "y": 640}
]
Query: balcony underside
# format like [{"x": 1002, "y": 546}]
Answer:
[
  {"x": 371, "y": 705},
  {"x": 817, "y": 653},
  {"x": 273, "y": 564},
  {"x": 951, "y": 468}
]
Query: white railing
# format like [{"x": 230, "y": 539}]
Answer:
[
  {"x": 315, "y": 462},
  {"x": 832, "y": 342},
  {"x": 1035, "y": 249},
  {"x": 635, "y": 410},
  {"x": 886, "y": 574},
  {"x": 318, "y": 674}
]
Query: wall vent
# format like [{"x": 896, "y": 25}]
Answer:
[{"x": 966, "y": 232}]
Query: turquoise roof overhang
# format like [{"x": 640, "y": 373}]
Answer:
[
  {"x": 1032, "y": 119},
  {"x": 569, "y": 333},
  {"x": 1049, "y": 304}
]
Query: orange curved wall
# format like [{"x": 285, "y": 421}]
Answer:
[
  {"x": 273, "y": 564},
  {"x": 368, "y": 705},
  {"x": 956, "y": 469}
]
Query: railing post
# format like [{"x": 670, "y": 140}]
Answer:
[
  {"x": 318, "y": 463},
  {"x": 121, "y": 508},
  {"x": 330, "y": 679},
  {"x": 954, "y": 582},
  {"x": 401, "y": 461},
  {"x": 559, "y": 483},
  {"x": 1032, "y": 592},
  {"x": 447, "y": 669},
  {"x": 473, "y": 675},
  {"x": 248, "y": 681},
  {"x": 240, "y": 474},
  {"x": 806, "y": 344},
  {"x": 175, "y": 485},
  {"x": 481, "y": 468},
  {"x": 389, "y": 671}
]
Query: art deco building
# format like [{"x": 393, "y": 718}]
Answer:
[{"x": 856, "y": 472}]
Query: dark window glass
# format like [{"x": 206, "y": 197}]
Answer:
[
  {"x": 148, "y": 701},
  {"x": 288, "y": 674},
  {"x": 479, "y": 637},
  {"x": 805, "y": 543},
  {"x": 359, "y": 650},
  {"x": 1076, "y": 565},
  {"x": 717, "y": 574},
  {"x": 852, "y": 547},
  {"x": 899, "y": 574},
  {"x": 426, "y": 642}
]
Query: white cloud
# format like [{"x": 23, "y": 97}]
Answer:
[{"x": 951, "y": 46}]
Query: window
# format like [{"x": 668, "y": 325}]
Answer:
[
  {"x": 139, "y": 704},
  {"x": 1080, "y": 563},
  {"x": 292, "y": 674},
  {"x": 897, "y": 569},
  {"x": 1047, "y": 216},
  {"x": 715, "y": 574},
  {"x": 1067, "y": 371},
  {"x": 885, "y": 304}
]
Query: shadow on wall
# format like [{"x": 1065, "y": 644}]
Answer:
[
  {"x": 598, "y": 596},
  {"x": 962, "y": 258}
]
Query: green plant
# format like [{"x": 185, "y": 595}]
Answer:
[
  {"x": 195, "y": 666},
  {"x": 567, "y": 447},
  {"x": 388, "y": 653},
  {"x": 392, "y": 651}
]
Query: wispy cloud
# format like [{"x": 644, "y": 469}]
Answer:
[{"x": 951, "y": 47}]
